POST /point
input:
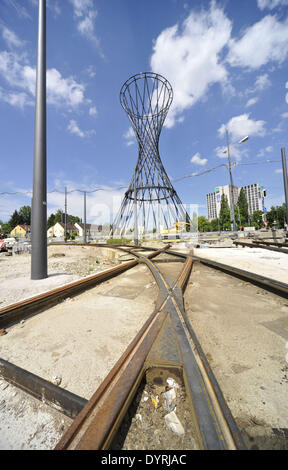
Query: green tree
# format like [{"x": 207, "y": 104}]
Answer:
[
  {"x": 203, "y": 224},
  {"x": 51, "y": 221},
  {"x": 214, "y": 225},
  {"x": 72, "y": 219},
  {"x": 277, "y": 214},
  {"x": 257, "y": 220},
  {"x": 15, "y": 219},
  {"x": 224, "y": 216},
  {"x": 6, "y": 229},
  {"x": 59, "y": 217},
  {"x": 243, "y": 208},
  {"x": 237, "y": 216},
  {"x": 25, "y": 214}
]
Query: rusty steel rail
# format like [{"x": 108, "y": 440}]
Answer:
[
  {"x": 263, "y": 242},
  {"x": 96, "y": 426},
  {"x": 276, "y": 287},
  {"x": 62, "y": 400},
  {"x": 263, "y": 246},
  {"x": 20, "y": 310}
]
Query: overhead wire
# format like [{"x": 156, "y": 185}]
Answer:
[{"x": 175, "y": 180}]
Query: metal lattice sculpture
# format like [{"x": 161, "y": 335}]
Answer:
[{"x": 150, "y": 199}]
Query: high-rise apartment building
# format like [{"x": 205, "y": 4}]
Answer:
[
  {"x": 254, "y": 197},
  {"x": 211, "y": 206},
  {"x": 253, "y": 194}
]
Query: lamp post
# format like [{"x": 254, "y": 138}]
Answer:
[
  {"x": 85, "y": 229},
  {"x": 232, "y": 212},
  {"x": 39, "y": 199},
  {"x": 285, "y": 180}
]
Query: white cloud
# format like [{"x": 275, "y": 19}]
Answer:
[
  {"x": 251, "y": 102},
  {"x": 91, "y": 71},
  {"x": 85, "y": 15},
  {"x": 129, "y": 136},
  {"x": 265, "y": 150},
  {"x": 102, "y": 206},
  {"x": 73, "y": 128},
  {"x": 240, "y": 126},
  {"x": 197, "y": 160},
  {"x": 63, "y": 90},
  {"x": 236, "y": 151},
  {"x": 189, "y": 57},
  {"x": 11, "y": 38},
  {"x": 286, "y": 97},
  {"x": 21, "y": 11},
  {"x": 284, "y": 115},
  {"x": 93, "y": 111},
  {"x": 270, "y": 4},
  {"x": 264, "y": 41},
  {"x": 17, "y": 100},
  {"x": 20, "y": 75},
  {"x": 279, "y": 170},
  {"x": 262, "y": 82}
]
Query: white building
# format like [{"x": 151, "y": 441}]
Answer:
[
  {"x": 92, "y": 230},
  {"x": 58, "y": 230},
  {"x": 253, "y": 195},
  {"x": 211, "y": 206},
  {"x": 214, "y": 200}
]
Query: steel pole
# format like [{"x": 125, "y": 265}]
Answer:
[
  {"x": 135, "y": 212},
  {"x": 284, "y": 167},
  {"x": 85, "y": 217},
  {"x": 231, "y": 184},
  {"x": 65, "y": 216},
  {"x": 39, "y": 199}
]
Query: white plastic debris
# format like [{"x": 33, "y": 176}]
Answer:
[
  {"x": 138, "y": 417},
  {"x": 169, "y": 397},
  {"x": 172, "y": 383},
  {"x": 56, "y": 380},
  {"x": 174, "y": 424}
]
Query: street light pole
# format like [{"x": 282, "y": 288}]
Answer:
[
  {"x": 65, "y": 216},
  {"x": 232, "y": 212},
  {"x": 284, "y": 167},
  {"x": 135, "y": 212},
  {"x": 39, "y": 198},
  {"x": 85, "y": 238}
]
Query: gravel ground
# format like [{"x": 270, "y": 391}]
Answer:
[
  {"x": 243, "y": 331},
  {"x": 145, "y": 426},
  {"x": 260, "y": 261},
  {"x": 65, "y": 265}
]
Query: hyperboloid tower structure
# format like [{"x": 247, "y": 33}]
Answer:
[{"x": 150, "y": 204}]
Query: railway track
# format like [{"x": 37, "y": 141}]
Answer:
[
  {"x": 278, "y": 247},
  {"x": 165, "y": 346}
]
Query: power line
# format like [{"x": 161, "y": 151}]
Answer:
[{"x": 175, "y": 180}]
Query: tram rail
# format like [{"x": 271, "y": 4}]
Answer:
[{"x": 96, "y": 421}]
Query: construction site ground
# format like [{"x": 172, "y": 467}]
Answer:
[{"x": 242, "y": 329}]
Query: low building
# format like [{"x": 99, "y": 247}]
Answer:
[
  {"x": 92, "y": 230},
  {"x": 21, "y": 231},
  {"x": 58, "y": 230}
]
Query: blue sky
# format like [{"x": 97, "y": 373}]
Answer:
[{"x": 227, "y": 61}]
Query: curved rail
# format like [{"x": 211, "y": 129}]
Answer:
[
  {"x": 276, "y": 287},
  {"x": 96, "y": 426}
]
